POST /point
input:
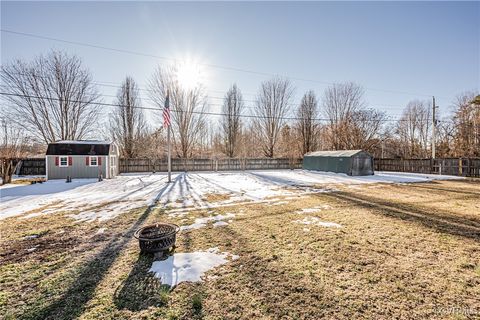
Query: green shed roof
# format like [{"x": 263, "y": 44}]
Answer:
[{"x": 336, "y": 153}]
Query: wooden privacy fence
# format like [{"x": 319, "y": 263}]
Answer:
[
  {"x": 467, "y": 167},
  {"x": 25, "y": 166},
  {"x": 159, "y": 165},
  {"x": 31, "y": 167}
]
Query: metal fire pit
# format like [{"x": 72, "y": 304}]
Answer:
[{"x": 157, "y": 238}]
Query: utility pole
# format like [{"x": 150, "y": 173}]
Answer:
[{"x": 434, "y": 122}]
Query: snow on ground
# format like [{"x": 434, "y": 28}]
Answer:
[
  {"x": 220, "y": 224},
  {"x": 278, "y": 203},
  {"x": 88, "y": 200},
  {"x": 314, "y": 209},
  {"x": 317, "y": 222},
  {"x": 181, "y": 267},
  {"x": 202, "y": 222}
]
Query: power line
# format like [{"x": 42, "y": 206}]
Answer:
[
  {"x": 113, "y": 85},
  {"x": 203, "y": 64},
  {"x": 208, "y": 97},
  {"x": 180, "y": 111}
]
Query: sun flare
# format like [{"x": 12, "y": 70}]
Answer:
[{"x": 190, "y": 74}]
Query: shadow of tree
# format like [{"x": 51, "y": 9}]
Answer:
[
  {"x": 141, "y": 289},
  {"x": 442, "y": 221},
  {"x": 436, "y": 186},
  {"x": 72, "y": 303},
  {"x": 280, "y": 292}
]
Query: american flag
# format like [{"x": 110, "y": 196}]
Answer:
[{"x": 166, "y": 112}]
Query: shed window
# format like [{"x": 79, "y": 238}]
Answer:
[
  {"x": 63, "y": 162},
  {"x": 93, "y": 161}
]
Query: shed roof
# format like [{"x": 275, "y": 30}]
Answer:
[
  {"x": 335, "y": 153},
  {"x": 79, "y": 147},
  {"x": 82, "y": 142}
]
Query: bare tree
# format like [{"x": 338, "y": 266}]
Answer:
[
  {"x": 153, "y": 145},
  {"x": 307, "y": 125},
  {"x": 467, "y": 125},
  {"x": 187, "y": 108},
  {"x": 270, "y": 110},
  {"x": 250, "y": 144},
  {"x": 339, "y": 103},
  {"x": 445, "y": 138},
  {"x": 12, "y": 147},
  {"x": 52, "y": 96},
  {"x": 127, "y": 122},
  {"x": 230, "y": 121},
  {"x": 413, "y": 129},
  {"x": 365, "y": 130}
]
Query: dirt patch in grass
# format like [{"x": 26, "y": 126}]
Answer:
[
  {"x": 216, "y": 197},
  {"x": 28, "y": 180},
  {"x": 404, "y": 251}
]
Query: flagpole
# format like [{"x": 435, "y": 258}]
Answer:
[
  {"x": 169, "y": 147},
  {"x": 169, "y": 155}
]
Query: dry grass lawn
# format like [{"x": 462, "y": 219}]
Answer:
[{"x": 405, "y": 251}]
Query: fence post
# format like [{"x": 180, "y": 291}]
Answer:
[
  {"x": 460, "y": 169},
  {"x": 469, "y": 172}
]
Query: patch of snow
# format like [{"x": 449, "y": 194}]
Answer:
[
  {"x": 279, "y": 203},
  {"x": 82, "y": 142},
  {"x": 8, "y": 186},
  {"x": 101, "y": 231},
  {"x": 306, "y": 230},
  {"x": 33, "y": 236},
  {"x": 220, "y": 224},
  {"x": 316, "y": 221},
  {"x": 314, "y": 209},
  {"x": 31, "y": 249},
  {"x": 202, "y": 222},
  {"x": 309, "y": 210},
  {"x": 182, "y": 267},
  {"x": 86, "y": 198},
  {"x": 89, "y": 200}
]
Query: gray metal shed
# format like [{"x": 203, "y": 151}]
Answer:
[
  {"x": 81, "y": 159},
  {"x": 351, "y": 162}
]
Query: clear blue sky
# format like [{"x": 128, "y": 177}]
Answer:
[{"x": 430, "y": 48}]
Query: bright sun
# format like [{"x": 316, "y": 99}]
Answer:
[{"x": 189, "y": 74}]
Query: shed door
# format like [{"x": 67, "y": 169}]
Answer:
[{"x": 362, "y": 166}]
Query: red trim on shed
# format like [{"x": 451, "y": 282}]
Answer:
[
  {"x": 70, "y": 161},
  {"x": 99, "y": 161},
  {"x": 87, "y": 161},
  {"x": 56, "y": 161}
]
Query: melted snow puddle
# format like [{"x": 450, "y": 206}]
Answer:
[
  {"x": 202, "y": 222},
  {"x": 316, "y": 221},
  {"x": 181, "y": 267},
  {"x": 314, "y": 209}
]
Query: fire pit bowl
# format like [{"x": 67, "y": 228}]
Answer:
[{"x": 157, "y": 237}]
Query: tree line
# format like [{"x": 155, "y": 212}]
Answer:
[{"x": 53, "y": 97}]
